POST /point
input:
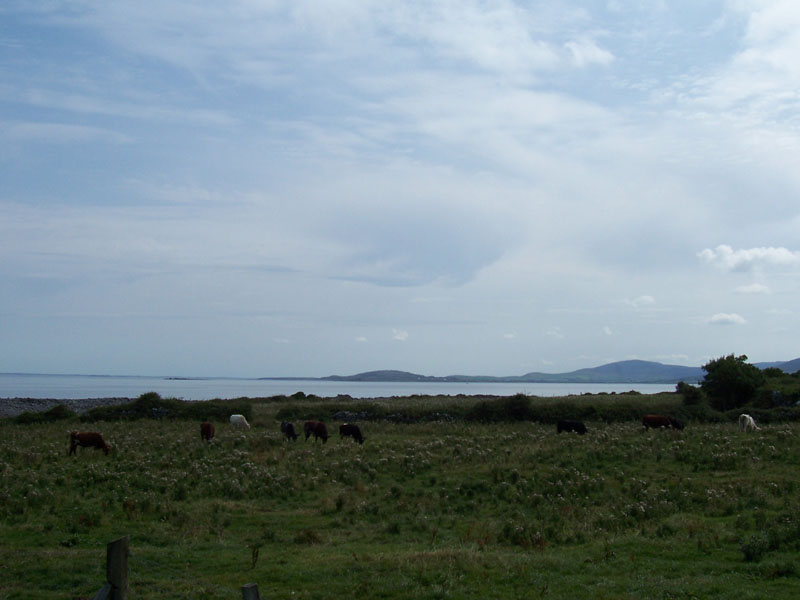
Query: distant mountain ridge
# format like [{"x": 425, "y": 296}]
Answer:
[
  {"x": 789, "y": 366},
  {"x": 626, "y": 371}
]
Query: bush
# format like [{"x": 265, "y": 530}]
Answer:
[
  {"x": 152, "y": 406},
  {"x": 692, "y": 395},
  {"x": 512, "y": 408},
  {"x": 731, "y": 382},
  {"x": 57, "y": 413},
  {"x": 755, "y": 547}
]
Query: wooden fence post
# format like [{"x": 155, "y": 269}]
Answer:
[
  {"x": 117, "y": 567},
  {"x": 250, "y": 592}
]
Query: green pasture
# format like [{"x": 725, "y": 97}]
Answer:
[{"x": 425, "y": 509}]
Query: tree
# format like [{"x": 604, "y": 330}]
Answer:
[{"x": 731, "y": 382}]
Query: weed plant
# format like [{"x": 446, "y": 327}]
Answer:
[{"x": 461, "y": 508}]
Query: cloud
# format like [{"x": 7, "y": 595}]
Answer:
[
  {"x": 59, "y": 133},
  {"x": 640, "y": 301},
  {"x": 672, "y": 358},
  {"x": 471, "y": 170},
  {"x": 753, "y": 288},
  {"x": 400, "y": 335},
  {"x": 727, "y": 319},
  {"x": 586, "y": 52},
  {"x": 725, "y": 257}
]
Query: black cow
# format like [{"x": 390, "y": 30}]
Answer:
[
  {"x": 206, "y": 431},
  {"x": 676, "y": 423},
  {"x": 287, "y": 429},
  {"x": 567, "y": 425},
  {"x": 350, "y": 430}
]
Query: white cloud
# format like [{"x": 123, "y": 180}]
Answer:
[
  {"x": 59, "y": 133},
  {"x": 761, "y": 79},
  {"x": 586, "y": 52},
  {"x": 727, "y": 319},
  {"x": 753, "y": 288},
  {"x": 725, "y": 257},
  {"x": 672, "y": 358},
  {"x": 400, "y": 335},
  {"x": 472, "y": 170},
  {"x": 640, "y": 301}
]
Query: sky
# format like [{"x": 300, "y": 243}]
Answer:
[{"x": 307, "y": 187}]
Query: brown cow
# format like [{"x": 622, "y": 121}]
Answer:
[
  {"x": 317, "y": 428},
  {"x": 206, "y": 431},
  {"x": 656, "y": 421},
  {"x": 87, "y": 439}
]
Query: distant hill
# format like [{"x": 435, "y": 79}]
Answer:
[
  {"x": 789, "y": 366},
  {"x": 629, "y": 371},
  {"x": 626, "y": 371},
  {"x": 388, "y": 375}
]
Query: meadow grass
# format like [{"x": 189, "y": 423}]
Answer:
[{"x": 431, "y": 509}]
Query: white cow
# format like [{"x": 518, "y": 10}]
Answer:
[
  {"x": 747, "y": 423},
  {"x": 239, "y": 422}
]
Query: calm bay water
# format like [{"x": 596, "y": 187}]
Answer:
[{"x": 88, "y": 386}]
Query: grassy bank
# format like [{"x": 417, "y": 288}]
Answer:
[{"x": 461, "y": 508}]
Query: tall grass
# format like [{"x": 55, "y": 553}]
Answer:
[{"x": 468, "y": 508}]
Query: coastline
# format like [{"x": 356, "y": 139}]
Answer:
[{"x": 11, "y": 407}]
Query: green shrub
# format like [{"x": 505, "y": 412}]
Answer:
[
  {"x": 692, "y": 396},
  {"x": 512, "y": 408},
  {"x": 152, "y": 406},
  {"x": 731, "y": 382},
  {"x": 57, "y": 413},
  {"x": 755, "y": 547}
]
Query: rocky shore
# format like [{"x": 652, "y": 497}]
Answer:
[{"x": 11, "y": 407}]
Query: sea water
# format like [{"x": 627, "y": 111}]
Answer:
[{"x": 14, "y": 385}]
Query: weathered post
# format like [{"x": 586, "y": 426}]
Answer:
[
  {"x": 250, "y": 592},
  {"x": 117, "y": 567}
]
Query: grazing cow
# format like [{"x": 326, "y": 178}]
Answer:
[
  {"x": 656, "y": 421},
  {"x": 566, "y": 425},
  {"x": 87, "y": 439},
  {"x": 747, "y": 423},
  {"x": 676, "y": 423},
  {"x": 317, "y": 428},
  {"x": 350, "y": 430},
  {"x": 206, "y": 431},
  {"x": 239, "y": 422},
  {"x": 288, "y": 430}
]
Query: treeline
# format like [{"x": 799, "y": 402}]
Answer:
[{"x": 731, "y": 383}]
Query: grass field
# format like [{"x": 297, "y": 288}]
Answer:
[{"x": 421, "y": 510}]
